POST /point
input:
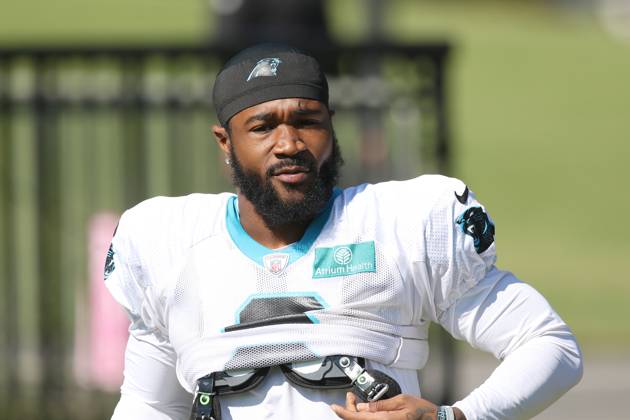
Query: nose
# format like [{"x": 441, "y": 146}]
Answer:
[{"x": 288, "y": 141}]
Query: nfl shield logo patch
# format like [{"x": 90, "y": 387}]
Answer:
[{"x": 276, "y": 263}]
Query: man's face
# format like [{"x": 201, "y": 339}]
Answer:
[{"x": 284, "y": 158}]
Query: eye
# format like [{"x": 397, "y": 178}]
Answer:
[{"x": 261, "y": 128}]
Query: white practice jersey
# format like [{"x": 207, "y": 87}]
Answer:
[{"x": 366, "y": 279}]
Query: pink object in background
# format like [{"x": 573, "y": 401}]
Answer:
[{"x": 102, "y": 333}]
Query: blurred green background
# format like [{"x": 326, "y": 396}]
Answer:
[{"x": 539, "y": 112}]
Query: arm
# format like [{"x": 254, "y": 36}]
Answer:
[
  {"x": 541, "y": 358},
  {"x": 150, "y": 389},
  {"x": 495, "y": 312},
  {"x": 501, "y": 315}
]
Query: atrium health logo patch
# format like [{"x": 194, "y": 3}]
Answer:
[
  {"x": 344, "y": 260},
  {"x": 343, "y": 255}
]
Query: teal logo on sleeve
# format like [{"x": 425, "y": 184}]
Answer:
[{"x": 344, "y": 260}]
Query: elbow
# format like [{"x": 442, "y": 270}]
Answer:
[
  {"x": 578, "y": 374},
  {"x": 566, "y": 366},
  {"x": 577, "y": 365},
  {"x": 569, "y": 360}
]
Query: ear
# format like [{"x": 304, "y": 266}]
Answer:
[
  {"x": 222, "y": 137},
  {"x": 331, "y": 114}
]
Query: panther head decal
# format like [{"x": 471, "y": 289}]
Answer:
[
  {"x": 109, "y": 262},
  {"x": 264, "y": 68},
  {"x": 475, "y": 222}
]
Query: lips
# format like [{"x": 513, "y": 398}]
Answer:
[
  {"x": 291, "y": 174},
  {"x": 293, "y": 169}
]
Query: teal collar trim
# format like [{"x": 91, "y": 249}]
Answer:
[{"x": 255, "y": 251}]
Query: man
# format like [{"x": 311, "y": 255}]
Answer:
[{"x": 226, "y": 291}]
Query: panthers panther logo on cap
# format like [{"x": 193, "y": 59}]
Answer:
[{"x": 264, "y": 68}]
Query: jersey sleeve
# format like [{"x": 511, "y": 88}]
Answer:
[
  {"x": 459, "y": 247},
  {"x": 541, "y": 359},
  {"x": 127, "y": 279},
  {"x": 151, "y": 389},
  {"x": 493, "y": 311}
]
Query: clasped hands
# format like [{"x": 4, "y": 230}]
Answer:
[{"x": 400, "y": 407}]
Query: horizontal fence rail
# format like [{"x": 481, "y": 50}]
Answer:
[{"x": 88, "y": 132}]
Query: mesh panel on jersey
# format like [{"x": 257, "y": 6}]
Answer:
[
  {"x": 350, "y": 317},
  {"x": 130, "y": 280},
  {"x": 254, "y": 357},
  {"x": 437, "y": 238},
  {"x": 276, "y": 344},
  {"x": 377, "y": 293},
  {"x": 187, "y": 312},
  {"x": 267, "y": 282}
]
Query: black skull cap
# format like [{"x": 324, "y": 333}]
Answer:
[{"x": 266, "y": 72}]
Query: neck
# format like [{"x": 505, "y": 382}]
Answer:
[{"x": 271, "y": 237}]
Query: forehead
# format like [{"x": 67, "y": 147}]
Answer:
[{"x": 280, "y": 107}]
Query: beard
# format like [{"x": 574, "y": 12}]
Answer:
[{"x": 266, "y": 200}]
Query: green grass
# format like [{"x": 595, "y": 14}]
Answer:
[
  {"x": 103, "y": 21},
  {"x": 540, "y": 114}
]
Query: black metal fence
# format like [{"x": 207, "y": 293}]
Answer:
[{"x": 86, "y": 131}]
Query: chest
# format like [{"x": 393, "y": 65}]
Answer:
[{"x": 221, "y": 288}]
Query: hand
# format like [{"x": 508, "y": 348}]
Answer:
[{"x": 400, "y": 407}]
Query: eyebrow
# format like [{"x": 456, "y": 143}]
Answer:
[
  {"x": 268, "y": 116},
  {"x": 263, "y": 116},
  {"x": 306, "y": 111}
]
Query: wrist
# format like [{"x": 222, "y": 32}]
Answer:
[
  {"x": 445, "y": 412},
  {"x": 459, "y": 414}
]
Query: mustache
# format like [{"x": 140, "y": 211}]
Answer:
[{"x": 300, "y": 160}]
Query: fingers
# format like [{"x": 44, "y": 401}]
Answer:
[
  {"x": 353, "y": 415},
  {"x": 351, "y": 402},
  {"x": 350, "y": 410},
  {"x": 385, "y": 409},
  {"x": 396, "y": 403},
  {"x": 399, "y": 407},
  {"x": 344, "y": 413},
  {"x": 382, "y": 415},
  {"x": 340, "y": 411}
]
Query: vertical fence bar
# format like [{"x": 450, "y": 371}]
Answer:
[
  {"x": 76, "y": 188},
  {"x": 48, "y": 214},
  {"x": 132, "y": 126},
  {"x": 73, "y": 196},
  {"x": 442, "y": 135},
  {"x": 156, "y": 145},
  {"x": 156, "y": 142},
  {"x": 107, "y": 162},
  {"x": 205, "y": 157},
  {"x": 25, "y": 228},
  {"x": 5, "y": 277}
]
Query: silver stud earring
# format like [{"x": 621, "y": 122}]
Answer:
[{"x": 227, "y": 161}]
